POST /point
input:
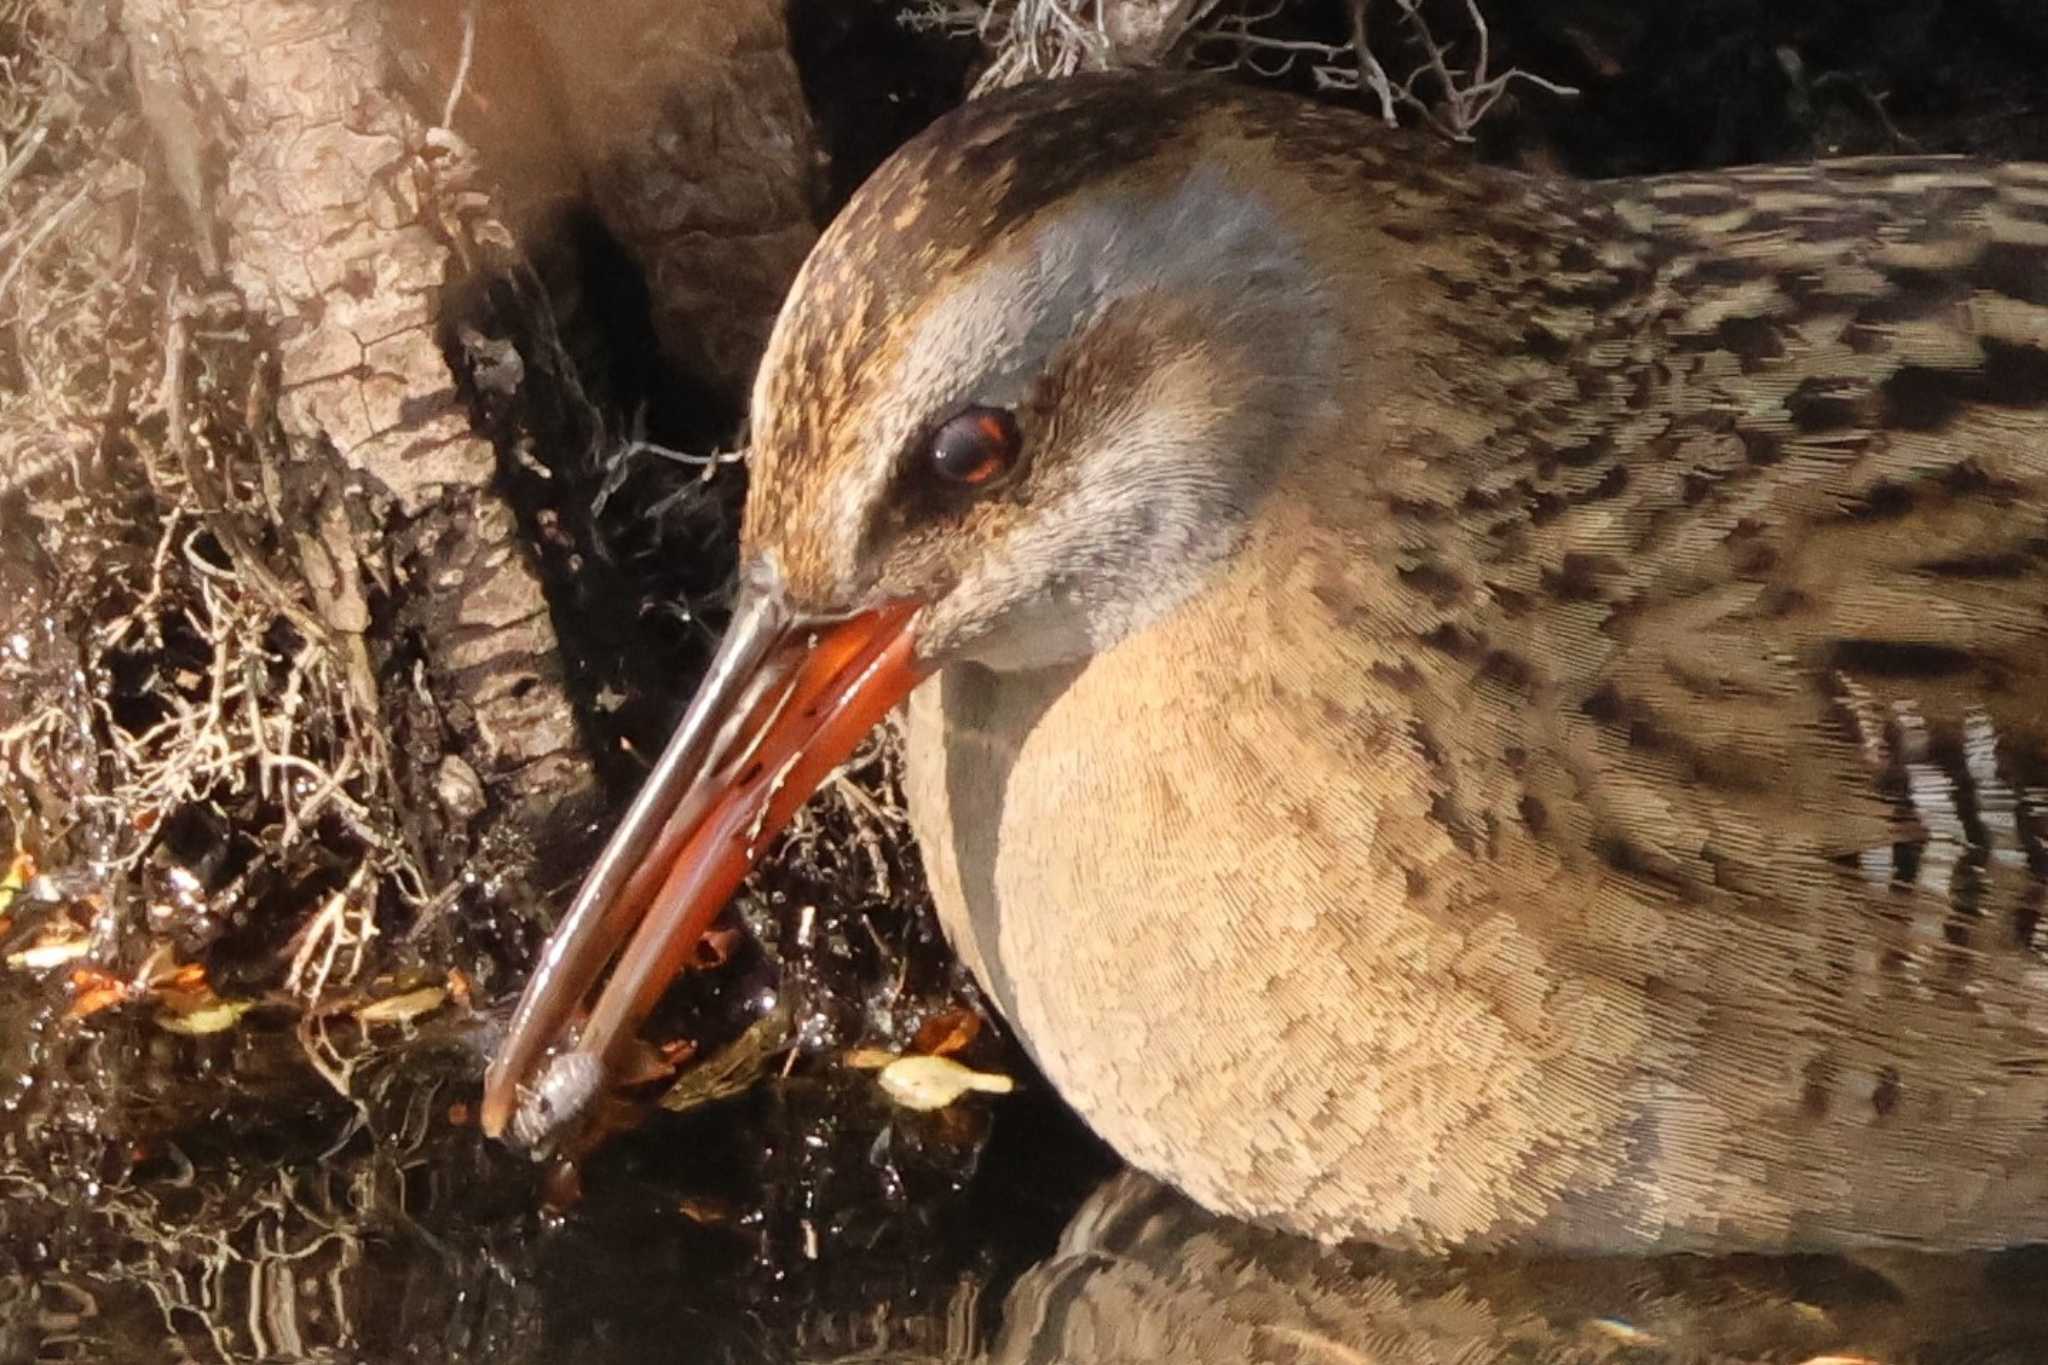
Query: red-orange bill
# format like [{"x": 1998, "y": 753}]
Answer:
[{"x": 783, "y": 703}]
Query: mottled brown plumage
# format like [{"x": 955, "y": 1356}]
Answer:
[
  {"x": 1496, "y": 708},
  {"x": 1142, "y": 1276}
]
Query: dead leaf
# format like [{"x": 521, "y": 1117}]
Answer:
[
  {"x": 733, "y": 1068},
  {"x": 402, "y": 1009},
  {"x": 704, "y": 1211},
  {"x": 926, "y": 1083},
  {"x": 200, "y": 1013},
  {"x": 20, "y": 872},
  {"x": 52, "y": 949},
  {"x": 94, "y": 990},
  {"x": 95, "y": 999},
  {"x": 947, "y": 1032}
]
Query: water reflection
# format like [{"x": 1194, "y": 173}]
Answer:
[
  {"x": 808, "y": 1221},
  {"x": 219, "y": 1203},
  {"x": 1142, "y": 1275}
]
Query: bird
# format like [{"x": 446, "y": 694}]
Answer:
[
  {"x": 1447, "y": 707},
  {"x": 1141, "y": 1274}
]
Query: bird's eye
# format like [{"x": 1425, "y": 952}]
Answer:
[{"x": 975, "y": 446}]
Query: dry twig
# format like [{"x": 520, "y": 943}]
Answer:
[{"x": 1452, "y": 99}]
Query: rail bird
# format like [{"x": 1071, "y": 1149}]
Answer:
[{"x": 1446, "y": 706}]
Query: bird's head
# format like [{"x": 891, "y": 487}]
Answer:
[{"x": 1021, "y": 401}]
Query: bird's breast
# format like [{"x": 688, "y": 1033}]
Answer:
[{"x": 1210, "y": 900}]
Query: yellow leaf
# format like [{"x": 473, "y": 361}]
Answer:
[
  {"x": 935, "y": 1082},
  {"x": 399, "y": 1009},
  {"x": 51, "y": 950},
  {"x": 212, "y": 1015},
  {"x": 20, "y": 872}
]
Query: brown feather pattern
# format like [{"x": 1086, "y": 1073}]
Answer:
[{"x": 1605, "y": 802}]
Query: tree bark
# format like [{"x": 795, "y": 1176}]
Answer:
[
  {"x": 309, "y": 190},
  {"x": 692, "y": 130}
]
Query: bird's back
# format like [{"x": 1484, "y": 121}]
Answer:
[{"x": 1606, "y": 801}]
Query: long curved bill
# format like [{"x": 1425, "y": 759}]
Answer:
[{"x": 784, "y": 703}]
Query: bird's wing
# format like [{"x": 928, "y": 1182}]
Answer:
[
  {"x": 1738, "y": 485},
  {"x": 1720, "y": 529}
]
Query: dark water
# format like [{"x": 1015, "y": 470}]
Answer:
[
  {"x": 807, "y": 1221},
  {"x": 214, "y": 1199}
]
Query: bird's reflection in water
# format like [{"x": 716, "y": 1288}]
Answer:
[
  {"x": 1143, "y": 1275},
  {"x": 231, "y": 1254}
]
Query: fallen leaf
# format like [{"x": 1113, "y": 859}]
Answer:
[
  {"x": 21, "y": 870},
  {"x": 204, "y": 1015},
  {"x": 400, "y": 1009},
  {"x": 733, "y": 1068},
  {"x": 705, "y": 1212},
  {"x": 95, "y": 1000},
  {"x": 94, "y": 990},
  {"x": 870, "y": 1058},
  {"x": 51, "y": 950},
  {"x": 947, "y": 1032},
  {"x": 20, "y": 873},
  {"x": 926, "y": 1083}
]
